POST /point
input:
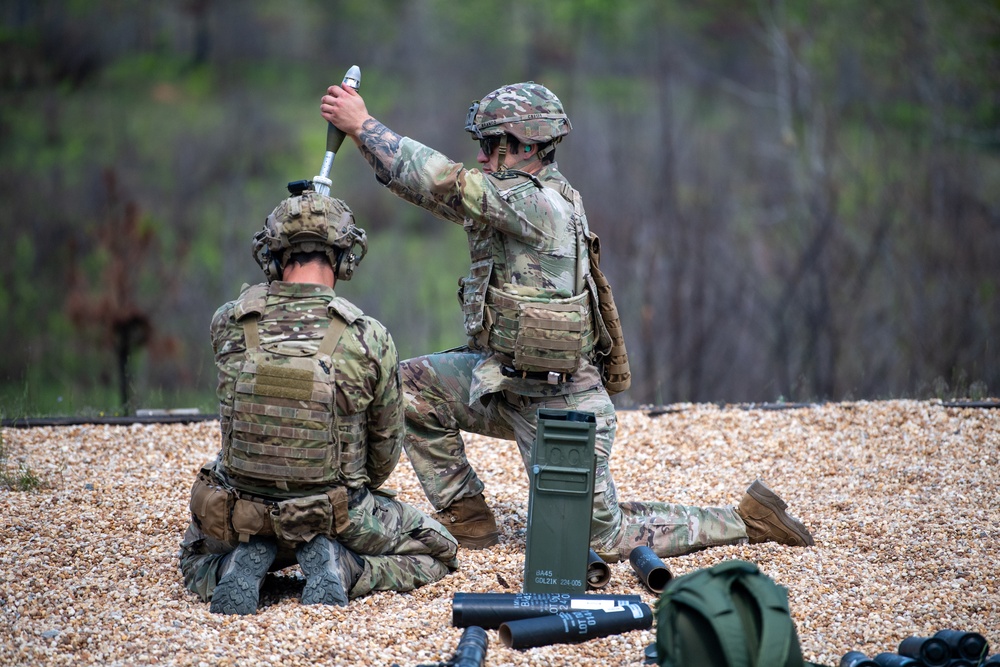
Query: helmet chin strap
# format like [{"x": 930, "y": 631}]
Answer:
[
  {"x": 526, "y": 149},
  {"x": 502, "y": 154}
]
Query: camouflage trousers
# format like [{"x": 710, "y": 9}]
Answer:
[
  {"x": 402, "y": 549},
  {"x": 436, "y": 392}
]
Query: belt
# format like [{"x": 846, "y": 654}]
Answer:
[
  {"x": 243, "y": 495},
  {"x": 353, "y": 496},
  {"x": 551, "y": 377}
]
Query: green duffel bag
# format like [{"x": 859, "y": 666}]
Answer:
[{"x": 728, "y": 615}]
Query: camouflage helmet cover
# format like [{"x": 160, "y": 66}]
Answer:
[
  {"x": 528, "y": 111},
  {"x": 310, "y": 222}
]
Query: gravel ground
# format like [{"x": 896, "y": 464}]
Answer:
[{"x": 901, "y": 497}]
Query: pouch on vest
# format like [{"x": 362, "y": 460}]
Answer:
[
  {"x": 251, "y": 518},
  {"x": 616, "y": 374},
  {"x": 211, "y": 506},
  {"x": 729, "y": 615},
  {"x": 301, "y": 519},
  {"x": 472, "y": 295},
  {"x": 341, "y": 509},
  {"x": 550, "y": 336},
  {"x": 540, "y": 330}
]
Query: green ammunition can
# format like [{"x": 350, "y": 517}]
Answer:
[{"x": 560, "y": 502}]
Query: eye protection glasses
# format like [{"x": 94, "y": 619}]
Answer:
[{"x": 489, "y": 144}]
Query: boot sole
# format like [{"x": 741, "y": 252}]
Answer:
[
  {"x": 475, "y": 543},
  {"x": 238, "y": 592},
  {"x": 767, "y": 498},
  {"x": 323, "y": 586}
]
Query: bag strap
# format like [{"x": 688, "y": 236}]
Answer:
[
  {"x": 332, "y": 338},
  {"x": 251, "y": 335},
  {"x": 777, "y": 628},
  {"x": 249, "y": 309},
  {"x": 708, "y": 594}
]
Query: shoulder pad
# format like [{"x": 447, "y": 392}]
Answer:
[
  {"x": 511, "y": 178},
  {"x": 252, "y": 300},
  {"x": 512, "y": 182},
  {"x": 562, "y": 187},
  {"x": 345, "y": 309}
]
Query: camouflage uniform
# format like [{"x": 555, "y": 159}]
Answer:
[
  {"x": 401, "y": 547},
  {"x": 526, "y": 228}
]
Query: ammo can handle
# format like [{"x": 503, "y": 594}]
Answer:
[{"x": 575, "y": 472}]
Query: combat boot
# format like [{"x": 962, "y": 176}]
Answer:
[
  {"x": 331, "y": 571},
  {"x": 764, "y": 514},
  {"x": 471, "y": 522},
  {"x": 241, "y": 575}
]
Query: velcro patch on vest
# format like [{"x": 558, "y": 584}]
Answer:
[
  {"x": 254, "y": 388},
  {"x": 283, "y": 382}
]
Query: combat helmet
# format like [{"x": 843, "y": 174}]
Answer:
[
  {"x": 528, "y": 111},
  {"x": 310, "y": 222}
]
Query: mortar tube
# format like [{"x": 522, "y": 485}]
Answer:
[
  {"x": 598, "y": 572},
  {"x": 575, "y": 626},
  {"x": 490, "y": 610},
  {"x": 652, "y": 571}
]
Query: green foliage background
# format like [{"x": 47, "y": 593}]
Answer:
[{"x": 798, "y": 200}]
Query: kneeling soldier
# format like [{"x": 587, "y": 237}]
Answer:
[{"x": 312, "y": 425}]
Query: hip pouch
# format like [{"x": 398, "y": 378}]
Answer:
[
  {"x": 550, "y": 335},
  {"x": 301, "y": 519},
  {"x": 212, "y": 506},
  {"x": 251, "y": 517}
]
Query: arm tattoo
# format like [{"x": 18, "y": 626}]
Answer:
[{"x": 379, "y": 144}]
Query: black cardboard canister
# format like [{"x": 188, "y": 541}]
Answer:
[
  {"x": 968, "y": 645},
  {"x": 598, "y": 572},
  {"x": 575, "y": 626},
  {"x": 857, "y": 659},
  {"x": 471, "y": 649},
  {"x": 652, "y": 571},
  {"x": 932, "y": 651},
  {"x": 490, "y": 610},
  {"x": 893, "y": 660}
]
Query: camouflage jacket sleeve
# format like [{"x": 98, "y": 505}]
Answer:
[
  {"x": 427, "y": 178},
  {"x": 385, "y": 412},
  {"x": 227, "y": 345}
]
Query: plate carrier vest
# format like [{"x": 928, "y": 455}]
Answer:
[
  {"x": 284, "y": 426},
  {"x": 537, "y": 330}
]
